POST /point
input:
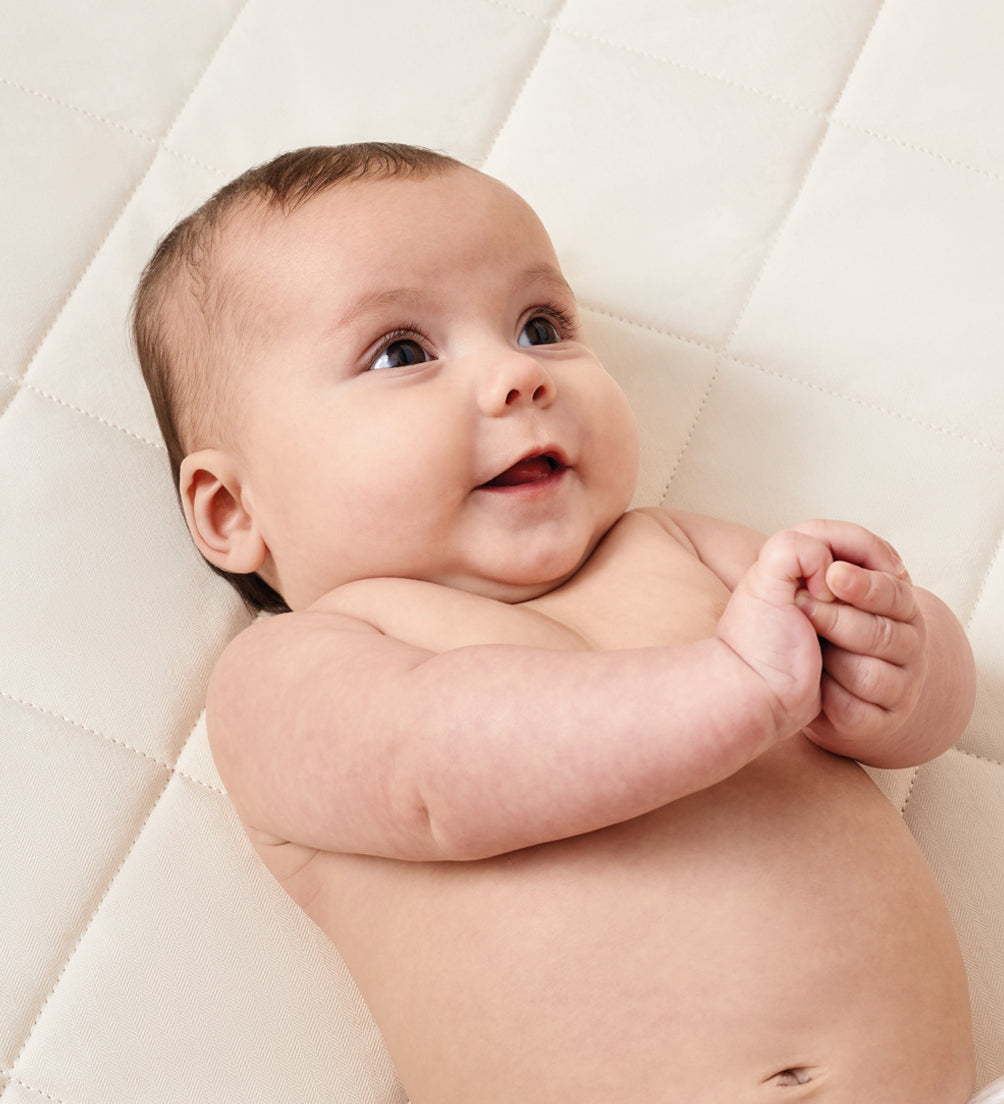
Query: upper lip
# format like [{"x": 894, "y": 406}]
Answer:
[{"x": 554, "y": 455}]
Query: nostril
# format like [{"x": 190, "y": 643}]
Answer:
[{"x": 539, "y": 394}]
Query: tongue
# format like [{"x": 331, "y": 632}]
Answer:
[{"x": 526, "y": 471}]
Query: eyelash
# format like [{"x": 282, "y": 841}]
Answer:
[
  {"x": 407, "y": 332},
  {"x": 562, "y": 318}
]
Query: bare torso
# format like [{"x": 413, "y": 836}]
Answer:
[{"x": 777, "y": 937}]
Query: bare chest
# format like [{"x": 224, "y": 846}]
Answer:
[{"x": 640, "y": 588}]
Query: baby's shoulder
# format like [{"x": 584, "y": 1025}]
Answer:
[
  {"x": 646, "y": 530},
  {"x": 726, "y": 547},
  {"x": 657, "y": 520}
]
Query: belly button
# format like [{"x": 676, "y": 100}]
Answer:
[{"x": 789, "y": 1078}]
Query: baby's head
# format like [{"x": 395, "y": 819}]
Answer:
[
  {"x": 188, "y": 325},
  {"x": 365, "y": 362}
]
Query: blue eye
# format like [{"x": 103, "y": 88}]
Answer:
[
  {"x": 539, "y": 331},
  {"x": 400, "y": 354}
]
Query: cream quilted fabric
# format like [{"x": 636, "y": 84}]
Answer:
[{"x": 785, "y": 221}]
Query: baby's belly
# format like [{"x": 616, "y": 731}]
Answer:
[{"x": 781, "y": 921}]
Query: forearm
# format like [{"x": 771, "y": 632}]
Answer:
[{"x": 545, "y": 746}]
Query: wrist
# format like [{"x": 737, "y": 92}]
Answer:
[{"x": 751, "y": 709}]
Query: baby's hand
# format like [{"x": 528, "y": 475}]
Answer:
[
  {"x": 764, "y": 626},
  {"x": 874, "y": 645}
]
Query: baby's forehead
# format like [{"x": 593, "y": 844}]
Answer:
[
  {"x": 255, "y": 242},
  {"x": 359, "y": 199},
  {"x": 247, "y": 247},
  {"x": 272, "y": 262}
]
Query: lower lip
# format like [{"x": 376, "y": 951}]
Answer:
[{"x": 533, "y": 489}]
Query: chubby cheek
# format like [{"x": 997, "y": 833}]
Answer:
[{"x": 616, "y": 446}]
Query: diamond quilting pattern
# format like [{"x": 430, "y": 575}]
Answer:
[{"x": 783, "y": 220}]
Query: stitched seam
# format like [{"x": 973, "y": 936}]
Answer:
[
  {"x": 793, "y": 203},
  {"x": 12, "y": 1080},
  {"x": 769, "y": 254},
  {"x": 774, "y": 97},
  {"x": 516, "y": 10},
  {"x": 695, "y": 71},
  {"x": 985, "y": 580},
  {"x": 803, "y": 109},
  {"x": 77, "y": 110},
  {"x": 587, "y": 36},
  {"x": 26, "y": 385},
  {"x": 87, "y": 925},
  {"x": 695, "y": 421},
  {"x": 97, "y": 909},
  {"x": 150, "y": 758},
  {"x": 651, "y": 327},
  {"x": 878, "y": 408},
  {"x": 744, "y": 307},
  {"x": 932, "y": 427},
  {"x": 80, "y": 279},
  {"x": 197, "y": 83},
  {"x": 188, "y": 159},
  {"x": 125, "y": 206},
  {"x": 909, "y": 793},
  {"x": 493, "y": 142},
  {"x": 979, "y": 758},
  {"x": 913, "y": 147},
  {"x": 113, "y": 124},
  {"x": 9, "y": 401}
]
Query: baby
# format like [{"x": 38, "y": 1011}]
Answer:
[{"x": 572, "y": 787}]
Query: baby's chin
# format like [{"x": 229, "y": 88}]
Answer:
[
  {"x": 538, "y": 574},
  {"x": 510, "y": 593},
  {"x": 506, "y": 591},
  {"x": 514, "y": 588}
]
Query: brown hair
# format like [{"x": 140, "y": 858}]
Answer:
[{"x": 178, "y": 308}]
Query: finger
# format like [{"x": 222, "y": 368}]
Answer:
[
  {"x": 865, "y": 634},
  {"x": 786, "y": 560},
  {"x": 872, "y": 591},
  {"x": 847, "y": 718},
  {"x": 870, "y": 680},
  {"x": 856, "y": 544}
]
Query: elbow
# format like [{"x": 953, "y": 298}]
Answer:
[
  {"x": 439, "y": 812},
  {"x": 434, "y": 836},
  {"x": 437, "y": 822}
]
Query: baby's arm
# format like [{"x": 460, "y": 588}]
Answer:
[{"x": 333, "y": 735}]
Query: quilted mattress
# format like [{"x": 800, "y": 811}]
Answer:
[{"x": 785, "y": 223}]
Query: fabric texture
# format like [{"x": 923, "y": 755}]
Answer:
[
  {"x": 783, "y": 222},
  {"x": 992, "y": 1094}
]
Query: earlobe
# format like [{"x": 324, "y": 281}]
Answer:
[{"x": 221, "y": 525}]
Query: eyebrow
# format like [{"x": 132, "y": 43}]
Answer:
[
  {"x": 374, "y": 301},
  {"x": 377, "y": 300},
  {"x": 544, "y": 273}
]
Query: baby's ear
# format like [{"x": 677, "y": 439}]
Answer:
[{"x": 221, "y": 526}]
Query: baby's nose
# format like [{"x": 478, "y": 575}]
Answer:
[{"x": 515, "y": 379}]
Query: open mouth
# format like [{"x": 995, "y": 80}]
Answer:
[{"x": 531, "y": 469}]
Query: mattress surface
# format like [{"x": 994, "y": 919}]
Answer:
[{"x": 784, "y": 224}]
